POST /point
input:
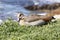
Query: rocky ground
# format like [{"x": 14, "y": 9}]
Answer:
[{"x": 44, "y": 8}]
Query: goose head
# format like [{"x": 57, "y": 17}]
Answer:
[{"x": 20, "y": 16}]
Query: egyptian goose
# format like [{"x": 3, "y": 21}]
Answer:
[{"x": 33, "y": 19}]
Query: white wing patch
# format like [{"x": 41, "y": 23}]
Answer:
[{"x": 57, "y": 16}]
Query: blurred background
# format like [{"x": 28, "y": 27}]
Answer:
[{"x": 9, "y": 8}]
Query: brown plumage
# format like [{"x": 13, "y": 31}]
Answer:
[{"x": 32, "y": 18}]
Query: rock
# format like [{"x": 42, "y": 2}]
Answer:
[{"x": 43, "y": 7}]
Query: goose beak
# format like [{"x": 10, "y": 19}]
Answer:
[{"x": 18, "y": 15}]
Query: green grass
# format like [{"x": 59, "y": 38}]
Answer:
[{"x": 11, "y": 30}]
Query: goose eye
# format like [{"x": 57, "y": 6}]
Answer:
[{"x": 21, "y": 15}]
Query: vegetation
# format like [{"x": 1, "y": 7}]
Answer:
[{"x": 11, "y": 30}]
